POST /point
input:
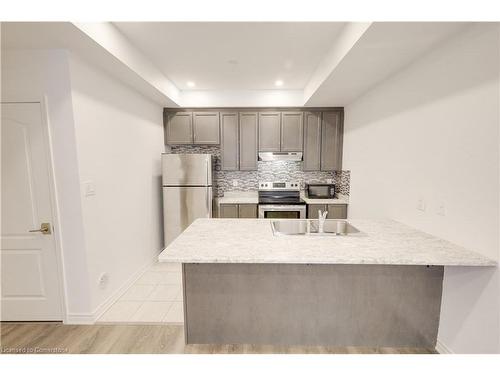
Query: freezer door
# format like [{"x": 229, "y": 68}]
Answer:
[
  {"x": 182, "y": 206},
  {"x": 187, "y": 169}
]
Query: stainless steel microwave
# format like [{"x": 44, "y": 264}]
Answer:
[{"x": 320, "y": 191}]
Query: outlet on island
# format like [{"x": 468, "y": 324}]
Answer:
[
  {"x": 441, "y": 210},
  {"x": 421, "y": 204}
]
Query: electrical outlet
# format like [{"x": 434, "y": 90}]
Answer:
[
  {"x": 88, "y": 188},
  {"x": 441, "y": 210},
  {"x": 235, "y": 183},
  {"x": 329, "y": 180},
  {"x": 421, "y": 204},
  {"x": 103, "y": 280}
]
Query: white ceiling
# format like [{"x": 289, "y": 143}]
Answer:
[
  {"x": 321, "y": 64},
  {"x": 387, "y": 48},
  {"x": 234, "y": 56}
]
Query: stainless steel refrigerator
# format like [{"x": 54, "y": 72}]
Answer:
[{"x": 187, "y": 191}]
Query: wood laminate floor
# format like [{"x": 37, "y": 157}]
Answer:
[{"x": 168, "y": 339}]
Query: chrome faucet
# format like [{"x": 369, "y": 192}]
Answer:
[{"x": 321, "y": 220}]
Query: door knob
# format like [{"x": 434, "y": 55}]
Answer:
[{"x": 44, "y": 229}]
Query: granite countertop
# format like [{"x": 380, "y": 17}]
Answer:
[
  {"x": 252, "y": 241},
  {"x": 241, "y": 197},
  {"x": 233, "y": 197},
  {"x": 340, "y": 199}
]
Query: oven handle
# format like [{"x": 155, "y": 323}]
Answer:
[{"x": 280, "y": 207}]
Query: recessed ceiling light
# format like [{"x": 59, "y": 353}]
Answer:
[
  {"x": 191, "y": 84},
  {"x": 279, "y": 82}
]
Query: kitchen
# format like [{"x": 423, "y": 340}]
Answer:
[
  {"x": 271, "y": 196},
  {"x": 300, "y": 245}
]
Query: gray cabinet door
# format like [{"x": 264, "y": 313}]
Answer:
[
  {"x": 337, "y": 211},
  {"x": 269, "y": 131},
  {"x": 312, "y": 141},
  {"x": 229, "y": 141},
  {"x": 206, "y": 128},
  {"x": 312, "y": 210},
  {"x": 247, "y": 211},
  {"x": 331, "y": 141},
  {"x": 292, "y": 131},
  {"x": 248, "y": 141},
  {"x": 228, "y": 211},
  {"x": 179, "y": 128}
]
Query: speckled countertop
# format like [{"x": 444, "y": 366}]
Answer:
[
  {"x": 233, "y": 197},
  {"x": 252, "y": 241},
  {"x": 340, "y": 199},
  {"x": 240, "y": 197}
]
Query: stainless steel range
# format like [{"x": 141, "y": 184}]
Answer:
[{"x": 281, "y": 200}]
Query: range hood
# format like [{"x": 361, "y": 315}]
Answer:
[{"x": 279, "y": 156}]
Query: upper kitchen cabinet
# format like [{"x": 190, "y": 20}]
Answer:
[
  {"x": 185, "y": 128},
  {"x": 179, "y": 128},
  {"x": 312, "y": 141},
  {"x": 206, "y": 128},
  {"x": 269, "y": 131},
  {"x": 291, "y": 131},
  {"x": 229, "y": 141},
  {"x": 281, "y": 131},
  {"x": 332, "y": 136},
  {"x": 248, "y": 128},
  {"x": 239, "y": 141}
]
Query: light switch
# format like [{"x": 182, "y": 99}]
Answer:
[
  {"x": 88, "y": 188},
  {"x": 441, "y": 210},
  {"x": 421, "y": 204}
]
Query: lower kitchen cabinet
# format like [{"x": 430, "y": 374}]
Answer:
[
  {"x": 335, "y": 211},
  {"x": 228, "y": 211},
  {"x": 238, "y": 211},
  {"x": 247, "y": 211}
]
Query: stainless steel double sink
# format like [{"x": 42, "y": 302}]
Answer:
[{"x": 310, "y": 227}]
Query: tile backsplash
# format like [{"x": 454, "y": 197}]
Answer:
[{"x": 267, "y": 171}]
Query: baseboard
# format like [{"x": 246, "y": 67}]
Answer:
[
  {"x": 441, "y": 348},
  {"x": 106, "y": 304},
  {"x": 93, "y": 317},
  {"x": 79, "y": 319}
]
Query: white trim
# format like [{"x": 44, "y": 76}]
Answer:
[
  {"x": 44, "y": 107},
  {"x": 441, "y": 348},
  {"x": 92, "y": 318},
  {"x": 106, "y": 304},
  {"x": 79, "y": 318},
  {"x": 47, "y": 143}
]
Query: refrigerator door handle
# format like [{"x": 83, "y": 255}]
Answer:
[
  {"x": 206, "y": 168},
  {"x": 209, "y": 206}
]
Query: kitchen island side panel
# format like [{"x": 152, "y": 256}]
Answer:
[{"x": 321, "y": 304}]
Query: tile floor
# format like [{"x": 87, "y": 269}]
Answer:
[{"x": 156, "y": 297}]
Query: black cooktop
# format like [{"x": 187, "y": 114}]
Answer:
[{"x": 280, "y": 197}]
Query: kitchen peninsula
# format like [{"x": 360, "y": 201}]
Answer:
[{"x": 379, "y": 287}]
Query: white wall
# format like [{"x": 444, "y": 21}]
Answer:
[
  {"x": 241, "y": 98},
  {"x": 431, "y": 132},
  {"x": 103, "y": 131},
  {"x": 32, "y": 75},
  {"x": 119, "y": 140}
]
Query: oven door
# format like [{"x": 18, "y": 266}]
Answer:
[{"x": 282, "y": 211}]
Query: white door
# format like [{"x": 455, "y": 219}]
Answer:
[{"x": 29, "y": 272}]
